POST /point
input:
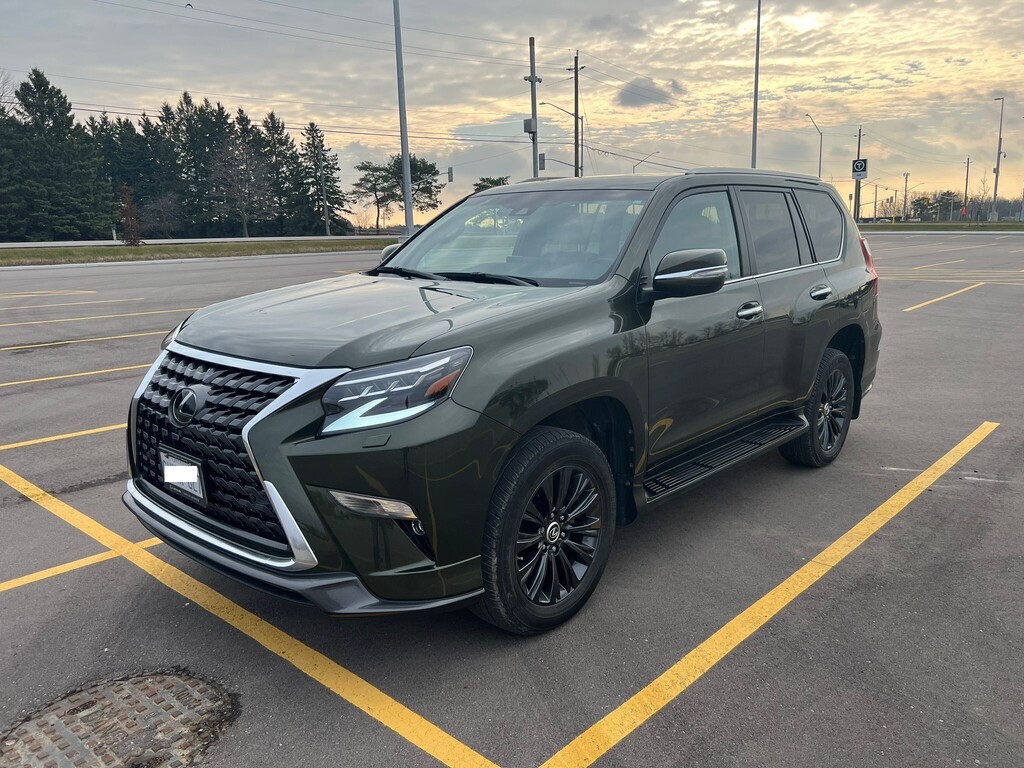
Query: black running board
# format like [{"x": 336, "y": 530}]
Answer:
[{"x": 702, "y": 463}]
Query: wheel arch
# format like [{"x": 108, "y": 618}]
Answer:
[
  {"x": 607, "y": 421},
  {"x": 850, "y": 340}
]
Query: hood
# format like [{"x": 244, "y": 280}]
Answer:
[{"x": 352, "y": 321}]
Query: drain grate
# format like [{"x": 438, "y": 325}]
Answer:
[{"x": 161, "y": 720}]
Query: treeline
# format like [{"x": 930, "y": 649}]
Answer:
[{"x": 193, "y": 170}]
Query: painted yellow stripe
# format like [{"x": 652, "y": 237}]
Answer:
[
  {"x": 99, "y": 317},
  {"x": 1018, "y": 283},
  {"x": 67, "y": 436},
  {"x": 33, "y": 294},
  {"x": 408, "y": 724},
  {"x": 68, "y": 304},
  {"x": 82, "y": 341},
  {"x": 940, "y": 298},
  {"x": 75, "y": 375},
  {"x": 74, "y": 565},
  {"x": 941, "y": 263},
  {"x": 588, "y": 747}
]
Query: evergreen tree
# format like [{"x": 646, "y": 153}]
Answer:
[
  {"x": 289, "y": 202},
  {"x": 487, "y": 182},
  {"x": 50, "y": 184},
  {"x": 320, "y": 180}
]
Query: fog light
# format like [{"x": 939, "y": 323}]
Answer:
[{"x": 373, "y": 506}]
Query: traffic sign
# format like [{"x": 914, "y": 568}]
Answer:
[{"x": 860, "y": 169}]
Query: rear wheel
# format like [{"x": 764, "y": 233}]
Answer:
[
  {"x": 828, "y": 410},
  {"x": 548, "y": 533}
]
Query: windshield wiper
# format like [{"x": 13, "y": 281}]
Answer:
[
  {"x": 489, "y": 277},
  {"x": 406, "y": 272}
]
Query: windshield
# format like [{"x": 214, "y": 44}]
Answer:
[{"x": 553, "y": 237}]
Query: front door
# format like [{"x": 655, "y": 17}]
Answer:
[{"x": 705, "y": 352}]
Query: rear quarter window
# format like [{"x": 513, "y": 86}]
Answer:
[{"x": 824, "y": 222}]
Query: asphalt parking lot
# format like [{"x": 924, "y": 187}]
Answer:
[{"x": 867, "y": 614}]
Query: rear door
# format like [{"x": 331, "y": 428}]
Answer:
[
  {"x": 704, "y": 352},
  {"x": 799, "y": 314}
]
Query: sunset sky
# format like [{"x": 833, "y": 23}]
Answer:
[{"x": 672, "y": 76}]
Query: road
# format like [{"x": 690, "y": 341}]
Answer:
[{"x": 904, "y": 652}]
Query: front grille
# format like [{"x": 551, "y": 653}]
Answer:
[{"x": 229, "y": 399}]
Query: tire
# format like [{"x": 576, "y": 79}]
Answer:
[
  {"x": 828, "y": 410},
  {"x": 556, "y": 569}
]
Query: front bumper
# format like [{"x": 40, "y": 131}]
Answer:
[
  {"x": 443, "y": 463},
  {"x": 336, "y": 593}
]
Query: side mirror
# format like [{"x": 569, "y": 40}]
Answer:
[
  {"x": 388, "y": 250},
  {"x": 692, "y": 272}
]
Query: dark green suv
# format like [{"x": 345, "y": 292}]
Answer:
[{"x": 469, "y": 422}]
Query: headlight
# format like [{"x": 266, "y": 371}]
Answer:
[
  {"x": 385, "y": 394},
  {"x": 170, "y": 337}
]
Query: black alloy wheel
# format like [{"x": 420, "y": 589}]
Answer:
[
  {"x": 828, "y": 410},
  {"x": 548, "y": 533},
  {"x": 833, "y": 410},
  {"x": 559, "y": 534}
]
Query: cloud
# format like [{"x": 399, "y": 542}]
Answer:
[{"x": 643, "y": 91}]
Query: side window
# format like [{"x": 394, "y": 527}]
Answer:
[
  {"x": 772, "y": 231},
  {"x": 700, "y": 221},
  {"x": 824, "y": 222}
]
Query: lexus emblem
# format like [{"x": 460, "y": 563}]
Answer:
[{"x": 184, "y": 406}]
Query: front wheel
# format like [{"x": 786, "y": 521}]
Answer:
[
  {"x": 548, "y": 533},
  {"x": 828, "y": 410}
]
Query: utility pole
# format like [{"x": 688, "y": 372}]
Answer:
[
  {"x": 821, "y": 140},
  {"x": 757, "y": 73},
  {"x": 874, "y": 215},
  {"x": 577, "y": 149},
  {"x": 906, "y": 180},
  {"x": 999, "y": 157},
  {"x": 403, "y": 125},
  {"x": 967, "y": 180},
  {"x": 533, "y": 80},
  {"x": 856, "y": 185}
]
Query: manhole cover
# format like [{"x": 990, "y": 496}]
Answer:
[{"x": 161, "y": 720}]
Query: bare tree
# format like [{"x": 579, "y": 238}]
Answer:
[
  {"x": 6, "y": 93},
  {"x": 981, "y": 194},
  {"x": 242, "y": 182},
  {"x": 162, "y": 214},
  {"x": 129, "y": 218}
]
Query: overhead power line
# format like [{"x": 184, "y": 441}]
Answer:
[{"x": 452, "y": 56}]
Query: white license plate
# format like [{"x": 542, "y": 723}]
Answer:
[{"x": 183, "y": 475}]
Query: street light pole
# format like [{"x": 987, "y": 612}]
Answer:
[
  {"x": 967, "y": 181},
  {"x": 821, "y": 140},
  {"x": 644, "y": 160},
  {"x": 999, "y": 157},
  {"x": 757, "y": 73},
  {"x": 906, "y": 180},
  {"x": 403, "y": 125}
]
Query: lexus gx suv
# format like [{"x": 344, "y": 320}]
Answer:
[{"x": 468, "y": 423}]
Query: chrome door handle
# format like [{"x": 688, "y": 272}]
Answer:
[
  {"x": 821, "y": 292},
  {"x": 749, "y": 311}
]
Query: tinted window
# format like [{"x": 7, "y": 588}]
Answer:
[
  {"x": 557, "y": 237},
  {"x": 700, "y": 221},
  {"x": 772, "y": 231},
  {"x": 824, "y": 221}
]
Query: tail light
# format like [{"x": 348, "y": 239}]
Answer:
[{"x": 870, "y": 264}]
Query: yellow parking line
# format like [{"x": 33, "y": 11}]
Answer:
[
  {"x": 588, "y": 747},
  {"x": 100, "y": 317},
  {"x": 82, "y": 341},
  {"x": 941, "y": 263},
  {"x": 66, "y": 436},
  {"x": 31, "y": 294},
  {"x": 940, "y": 298},
  {"x": 406, "y": 723},
  {"x": 74, "y": 565},
  {"x": 68, "y": 304},
  {"x": 74, "y": 375}
]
